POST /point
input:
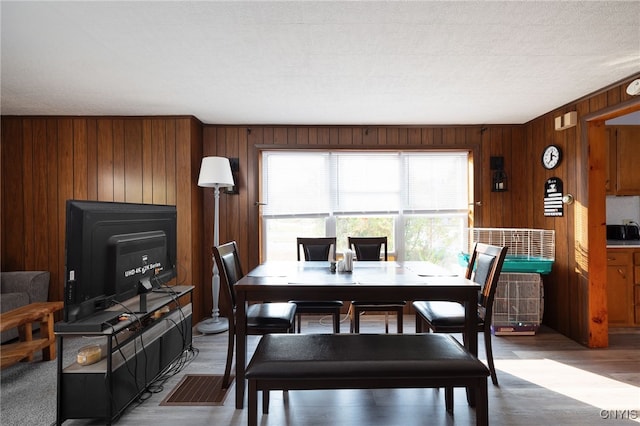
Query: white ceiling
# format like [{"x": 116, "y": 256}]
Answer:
[{"x": 313, "y": 62}]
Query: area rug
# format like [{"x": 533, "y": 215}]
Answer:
[{"x": 197, "y": 389}]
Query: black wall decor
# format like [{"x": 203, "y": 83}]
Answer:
[
  {"x": 235, "y": 168},
  {"x": 553, "y": 197},
  {"x": 499, "y": 177}
]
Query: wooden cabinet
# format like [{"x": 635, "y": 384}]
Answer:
[
  {"x": 636, "y": 306},
  {"x": 619, "y": 287},
  {"x": 610, "y": 182},
  {"x": 624, "y": 156},
  {"x": 636, "y": 287}
]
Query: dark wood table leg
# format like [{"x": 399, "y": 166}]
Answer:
[
  {"x": 471, "y": 336},
  {"x": 241, "y": 347}
]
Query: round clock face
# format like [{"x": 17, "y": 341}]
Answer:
[{"x": 551, "y": 157}]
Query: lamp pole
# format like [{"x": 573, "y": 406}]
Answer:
[
  {"x": 215, "y": 172},
  {"x": 215, "y": 324}
]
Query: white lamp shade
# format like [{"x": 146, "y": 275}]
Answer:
[{"x": 215, "y": 171}]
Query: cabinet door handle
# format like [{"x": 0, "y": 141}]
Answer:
[{"x": 621, "y": 272}]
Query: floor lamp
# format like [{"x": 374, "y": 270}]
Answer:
[{"x": 215, "y": 172}]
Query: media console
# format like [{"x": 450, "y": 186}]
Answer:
[{"x": 136, "y": 351}]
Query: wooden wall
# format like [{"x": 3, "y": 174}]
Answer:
[
  {"x": 566, "y": 288},
  {"x": 569, "y": 297},
  {"x": 239, "y": 213},
  {"x": 47, "y": 160}
]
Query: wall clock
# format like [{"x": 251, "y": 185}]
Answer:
[{"x": 551, "y": 157}]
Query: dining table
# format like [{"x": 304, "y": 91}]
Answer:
[{"x": 277, "y": 281}]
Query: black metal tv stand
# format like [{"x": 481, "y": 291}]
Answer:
[{"x": 137, "y": 350}]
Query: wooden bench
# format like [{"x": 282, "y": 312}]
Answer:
[
  {"x": 22, "y": 318},
  {"x": 364, "y": 361}
]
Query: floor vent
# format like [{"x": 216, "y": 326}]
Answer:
[{"x": 197, "y": 389}]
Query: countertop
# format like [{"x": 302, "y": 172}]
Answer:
[{"x": 623, "y": 244}]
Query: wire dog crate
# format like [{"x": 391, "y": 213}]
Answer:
[
  {"x": 519, "y": 300},
  {"x": 530, "y": 250},
  {"x": 518, "y": 305}
]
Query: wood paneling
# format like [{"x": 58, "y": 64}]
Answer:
[
  {"x": 48, "y": 160},
  {"x": 575, "y": 303},
  {"x": 12, "y": 195},
  {"x": 567, "y": 288},
  {"x": 156, "y": 160},
  {"x": 133, "y": 149},
  {"x": 239, "y": 213}
]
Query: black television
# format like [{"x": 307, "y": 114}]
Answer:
[
  {"x": 114, "y": 250},
  {"x": 134, "y": 260}
]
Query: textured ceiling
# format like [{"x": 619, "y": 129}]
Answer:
[{"x": 314, "y": 62}]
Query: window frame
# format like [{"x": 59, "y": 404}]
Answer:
[{"x": 473, "y": 174}]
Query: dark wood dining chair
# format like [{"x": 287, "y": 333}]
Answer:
[
  {"x": 262, "y": 318},
  {"x": 318, "y": 249},
  {"x": 484, "y": 268},
  {"x": 370, "y": 249}
]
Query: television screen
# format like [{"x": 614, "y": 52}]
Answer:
[{"x": 104, "y": 242}]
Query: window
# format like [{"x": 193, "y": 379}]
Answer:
[{"x": 419, "y": 200}]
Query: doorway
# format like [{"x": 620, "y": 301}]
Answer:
[{"x": 593, "y": 190}]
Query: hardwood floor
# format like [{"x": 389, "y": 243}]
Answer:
[{"x": 544, "y": 379}]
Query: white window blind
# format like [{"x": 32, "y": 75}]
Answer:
[
  {"x": 366, "y": 183},
  {"x": 296, "y": 184},
  {"x": 436, "y": 182},
  {"x": 323, "y": 183}
]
